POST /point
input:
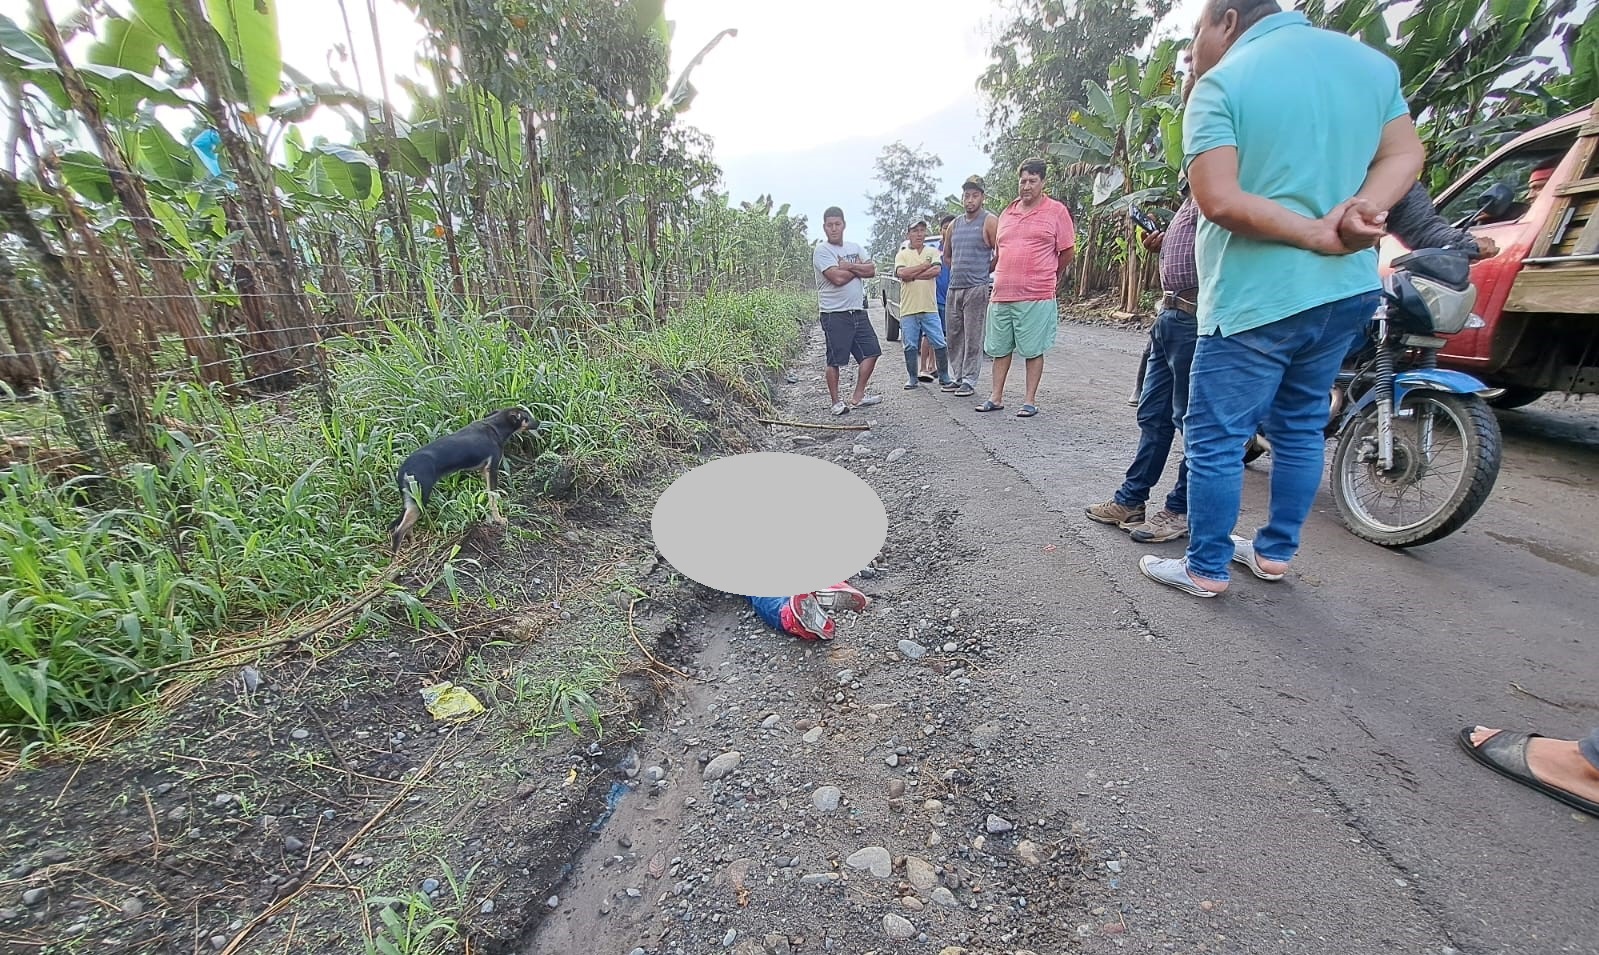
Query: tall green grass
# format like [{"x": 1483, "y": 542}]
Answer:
[{"x": 270, "y": 515}]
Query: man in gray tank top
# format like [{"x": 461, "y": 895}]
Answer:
[{"x": 969, "y": 244}]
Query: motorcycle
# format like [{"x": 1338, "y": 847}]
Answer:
[{"x": 1418, "y": 448}]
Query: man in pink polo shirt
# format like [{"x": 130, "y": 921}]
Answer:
[{"x": 1034, "y": 248}]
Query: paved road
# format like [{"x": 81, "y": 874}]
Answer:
[{"x": 1288, "y": 750}]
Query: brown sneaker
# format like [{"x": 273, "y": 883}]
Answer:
[
  {"x": 1164, "y": 526},
  {"x": 1112, "y": 513}
]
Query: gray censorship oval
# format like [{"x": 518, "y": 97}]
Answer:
[{"x": 769, "y": 524}]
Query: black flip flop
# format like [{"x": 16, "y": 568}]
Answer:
[{"x": 1506, "y": 754}]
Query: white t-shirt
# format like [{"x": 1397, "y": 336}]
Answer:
[{"x": 838, "y": 298}]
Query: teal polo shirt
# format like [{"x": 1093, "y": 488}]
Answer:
[{"x": 1305, "y": 108}]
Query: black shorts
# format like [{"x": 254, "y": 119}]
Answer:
[{"x": 849, "y": 335}]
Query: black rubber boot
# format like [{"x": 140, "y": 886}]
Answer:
[
  {"x": 912, "y": 359},
  {"x": 943, "y": 365}
]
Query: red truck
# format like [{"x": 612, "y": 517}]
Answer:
[{"x": 1537, "y": 198}]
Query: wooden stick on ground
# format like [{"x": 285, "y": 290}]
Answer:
[
  {"x": 818, "y": 427},
  {"x": 287, "y": 900},
  {"x": 642, "y": 647}
]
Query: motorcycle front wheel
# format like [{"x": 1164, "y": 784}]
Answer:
[{"x": 1446, "y": 459}]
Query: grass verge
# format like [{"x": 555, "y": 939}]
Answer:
[{"x": 257, "y": 515}]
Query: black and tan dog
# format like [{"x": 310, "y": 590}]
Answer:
[{"x": 477, "y": 447}]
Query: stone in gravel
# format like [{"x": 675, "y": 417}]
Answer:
[
  {"x": 7, "y": 915},
  {"x": 874, "y": 859},
  {"x": 770, "y": 721},
  {"x": 819, "y": 878},
  {"x": 430, "y": 886},
  {"x": 862, "y": 451},
  {"x": 638, "y": 951},
  {"x": 951, "y": 647},
  {"x": 35, "y": 896},
  {"x": 997, "y": 824},
  {"x": 1113, "y": 866},
  {"x": 553, "y": 901},
  {"x": 730, "y": 938},
  {"x": 912, "y": 649},
  {"x": 892, "y": 759},
  {"x": 223, "y": 799},
  {"x": 911, "y": 902},
  {"x": 655, "y": 774},
  {"x": 920, "y": 873},
  {"x": 826, "y": 798},
  {"x": 722, "y": 765},
  {"x": 1028, "y": 852},
  {"x": 300, "y": 734},
  {"x": 812, "y": 736},
  {"x": 487, "y": 908},
  {"x": 54, "y": 855},
  {"x": 986, "y": 734},
  {"x": 132, "y": 908},
  {"x": 896, "y": 454},
  {"x": 291, "y": 844},
  {"x": 896, "y": 788},
  {"x": 898, "y": 926},
  {"x": 944, "y": 897}
]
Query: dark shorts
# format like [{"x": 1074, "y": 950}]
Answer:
[{"x": 849, "y": 335}]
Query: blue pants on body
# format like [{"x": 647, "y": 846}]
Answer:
[
  {"x": 912, "y": 327},
  {"x": 1161, "y": 407},
  {"x": 1280, "y": 375}
]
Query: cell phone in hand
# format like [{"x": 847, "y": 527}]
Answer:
[{"x": 1142, "y": 219}]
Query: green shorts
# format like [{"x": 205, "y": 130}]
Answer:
[{"x": 1021, "y": 328}]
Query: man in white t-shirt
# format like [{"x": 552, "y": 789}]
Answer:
[{"x": 840, "y": 266}]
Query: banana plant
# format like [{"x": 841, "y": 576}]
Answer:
[{"x": 1128, "y": 133}]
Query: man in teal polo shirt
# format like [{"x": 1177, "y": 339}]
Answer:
[{"x": 1296, "y": 140}]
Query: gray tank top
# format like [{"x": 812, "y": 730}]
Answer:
[{"x": 969, "y": 254}]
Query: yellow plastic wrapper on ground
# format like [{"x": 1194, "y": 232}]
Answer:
[{"x": 450, "y": 703}]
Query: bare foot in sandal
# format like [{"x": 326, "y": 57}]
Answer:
[{"x": 1543, "y": 764}]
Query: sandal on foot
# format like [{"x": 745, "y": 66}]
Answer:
[
  {"x": 1506, "y": 754},
  {"x": 1172, "y": 572},
  {"x": 1244, "y": 553},
  {"x": 1027, "y": 411},
  {"x": 924, "y": 376},
  {"x": 990, "y": 406}
]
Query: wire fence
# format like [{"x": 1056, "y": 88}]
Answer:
[{"x": 84, "y": 362}]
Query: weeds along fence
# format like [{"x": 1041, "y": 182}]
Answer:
[
  {"x": 194, "y": 450},
  {"x": 254, "y": 511},
  {"x": 92, "y": 330}
]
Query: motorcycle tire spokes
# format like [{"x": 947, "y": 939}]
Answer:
[{"x": 1445, "y": 460}]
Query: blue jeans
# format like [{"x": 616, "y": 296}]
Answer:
[
  {"x": 1279, "y": 375},
  {"x": 912, "y": 327},
  {"x": 1161, "y": 407}
]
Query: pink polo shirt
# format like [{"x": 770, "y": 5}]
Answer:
[{"x": 1030, "y": 244}]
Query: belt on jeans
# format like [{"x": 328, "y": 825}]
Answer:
[{"x": 1185, "y": 301}]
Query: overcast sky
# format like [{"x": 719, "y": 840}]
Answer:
[{"x": 800, "y": 108}]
